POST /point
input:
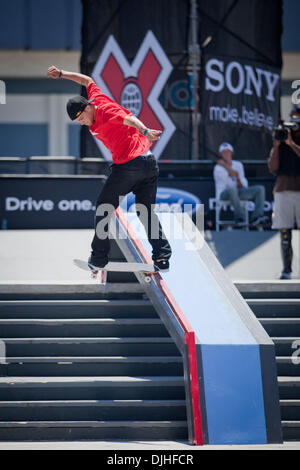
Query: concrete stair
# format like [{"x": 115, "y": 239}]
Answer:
[
  {"x": 86, "y": 366},
  {"x": 89, "y": 369},
  {"x": 278, "y": 310}
]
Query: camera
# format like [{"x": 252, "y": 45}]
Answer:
[{"x": 281, "y": 131}]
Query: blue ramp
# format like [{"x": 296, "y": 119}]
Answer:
[{"x": 235, "y": 358}]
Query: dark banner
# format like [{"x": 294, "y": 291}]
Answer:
[
  {"x": 239, "y": 105},
  {"x": 240, "y": 75},
  {"x": 137, "y": 53},
  {"x": 47, "y": 203},
  {"x": 69, "y": 203}
]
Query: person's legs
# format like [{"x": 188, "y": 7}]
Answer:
[
  {"x": 145, "y": 192},
  {"x": 284, "y": 220},
  {"x": 119, "y": 183},
  {"x": 286, "y": 252},
  {"x": 232, "y": 195},
  {"x": 257, "y": 194}
]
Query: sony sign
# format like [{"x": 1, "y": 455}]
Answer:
[
  {"x": 239, "y": 94},
  {"x": 240, "y": 78}
]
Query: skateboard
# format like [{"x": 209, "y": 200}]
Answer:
[{"x": 122, "y": 267}]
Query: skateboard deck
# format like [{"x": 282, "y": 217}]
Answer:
[{"x": 121, "y": 267}]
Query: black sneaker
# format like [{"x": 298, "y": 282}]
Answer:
[
  {"x": 95, "y": 263},
  {"x": 161, "y": 265}
]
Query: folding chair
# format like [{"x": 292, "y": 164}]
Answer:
[{"x": 222, "y": 205}]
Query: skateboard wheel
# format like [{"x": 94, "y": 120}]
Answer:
[{"x": 148, "y": 279}]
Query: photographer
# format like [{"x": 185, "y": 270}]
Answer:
[{"x": 284, "y": 162}]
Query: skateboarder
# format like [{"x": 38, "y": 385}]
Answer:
[{"x": 134, "y": 167}]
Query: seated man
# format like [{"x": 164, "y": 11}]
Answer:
[{"x": 231, "y": 185}]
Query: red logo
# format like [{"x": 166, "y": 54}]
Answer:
[{"x": 137, "y": 86}]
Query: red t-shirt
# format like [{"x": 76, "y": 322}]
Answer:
[{"x": 124, "y": 142}]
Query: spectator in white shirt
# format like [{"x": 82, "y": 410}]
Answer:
[{"x": 232, "y": 185}]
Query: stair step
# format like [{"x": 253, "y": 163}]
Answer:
[
  {"x": 281, "y": 326},
  {"x": 286, "y": 346},
  {"x": 85, "y": 410},
  {"x": 77, "y": 309},
  {"x": 288, "y": 365},
  {"x": 21, "y": 328},
  {"x": 145, "y": 346},
  {"x": 291, "y": 430},
  {"x": 89, "y": 366},
  {"x": 74, "y": 430},
  {"x": 289, "y": 387},
  {"x": 290, "y": 410},
  {"x": 70, "y": 291},
  {"x": 91, "y": 388},
  {"x": 275, "y": 307},
  {"x": 265, "y": 290}
]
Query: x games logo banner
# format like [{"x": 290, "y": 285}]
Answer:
[{"x": 137, "y": 86}]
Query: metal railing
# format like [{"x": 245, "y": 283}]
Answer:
[
  {"x": 53, "y": 165},
  {"x": 190, "y": 361},
  {"x": 70, "y": 165}
]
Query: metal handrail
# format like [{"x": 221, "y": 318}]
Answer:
[{"x": 189, "y": 335}]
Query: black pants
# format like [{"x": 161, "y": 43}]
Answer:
[{"x": 139, "y": 176}]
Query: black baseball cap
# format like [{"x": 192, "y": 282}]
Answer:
[{"x": 76, "y": 105}]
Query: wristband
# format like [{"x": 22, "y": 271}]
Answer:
[{"x": 145, "y": 131}]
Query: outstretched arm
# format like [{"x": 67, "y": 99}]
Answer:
[
  {"x": 54, "y": 72},
  {"x": 151, "y": 134}
]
